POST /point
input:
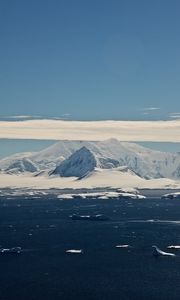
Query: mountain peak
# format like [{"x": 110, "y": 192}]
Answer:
[{"x": 78, "y": 164}]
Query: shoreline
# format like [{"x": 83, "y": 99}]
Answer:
[{"x": 91, "y": 192}]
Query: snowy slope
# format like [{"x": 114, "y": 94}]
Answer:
[
  {"x": 78, "y": 164},
  {"x": 98, "y": 178},
  {"x": 7, "y": 161},
  {"x": 21, "y": 166},
  {"x": 117, "y": 177}
]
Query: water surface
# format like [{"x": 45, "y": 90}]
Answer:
[{"x": 43, "y": 228}]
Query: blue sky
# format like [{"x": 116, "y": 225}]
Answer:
[{"x": 98, "y": 59}]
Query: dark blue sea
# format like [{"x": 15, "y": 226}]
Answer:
[{"x": 44, "y": 230}]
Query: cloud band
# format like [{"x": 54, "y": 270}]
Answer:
[{"x": 159, "y": 131}]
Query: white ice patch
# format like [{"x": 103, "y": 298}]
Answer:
[
  {"x": 65, "y": 196},
  {"x": 159, "y": 252},
  {"x": 174, "y": 247},
  {"x": 75, "y": 251},
  {"x": 123, "y": 246},
  {"x": 171, "y": 195},
  {"x": 101, "y": 195}
]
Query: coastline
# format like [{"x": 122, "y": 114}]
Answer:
[{"x": 69, "y": 193}]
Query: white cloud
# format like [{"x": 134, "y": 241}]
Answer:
[
  {"x": 175, "y": 115},
  {"x": 165, "y": 131},
  {"x": 34, "y": 117},
  {"x": 150, "y": 108},
  {"x": 17, "y": 117},
  {"x": 20, "y": 117}
]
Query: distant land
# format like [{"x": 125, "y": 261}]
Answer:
[{"x": 78, "y": 165}]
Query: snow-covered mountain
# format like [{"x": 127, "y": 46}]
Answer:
[
  {"x": 21, "y": 166},
  {"x": 62, "y": 158},
  {"x": 145, "y": 162},
  {"x": 82, "y": 162},
  {"x": 7, "y": 161}
]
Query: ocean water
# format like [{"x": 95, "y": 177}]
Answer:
[{"x": 43, "y": 228}]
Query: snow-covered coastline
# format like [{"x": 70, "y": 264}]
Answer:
[
  {"x": 98, "y": 179},
  {"x": 110, "y": 182}
]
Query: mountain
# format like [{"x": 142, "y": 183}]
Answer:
[
  {"x": 7, "y": 161},
  {"x": 21, "y": 166},
  {"x": 82, "y": 162},
  {"x": 145, "y": 162},
  {"x": 78, "y": 164},
  {"x": 107, "y": 154}
]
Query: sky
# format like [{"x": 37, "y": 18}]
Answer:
[
  {"x": 90, "y": 60},
  {"x": 98, "y": 59}
]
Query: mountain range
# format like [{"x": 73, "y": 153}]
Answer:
[{"x": 81, "y": 158}]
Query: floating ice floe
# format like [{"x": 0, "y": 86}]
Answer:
[
  {"x": 102, "y": 195},
  {"x": 75, "y": 251},
  {"x": 65, "y": 196},
  {"x": 123, "y": 246},
  {"x": 99, "y": 217},
  {"x": 174, "y": 247},
  {"x": 13, "y": 250},
  {"x": 158, "y": 252},
  {"x": 171, "y": 196}
]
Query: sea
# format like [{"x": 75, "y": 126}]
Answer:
[{"x": 44, "y": 229}]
